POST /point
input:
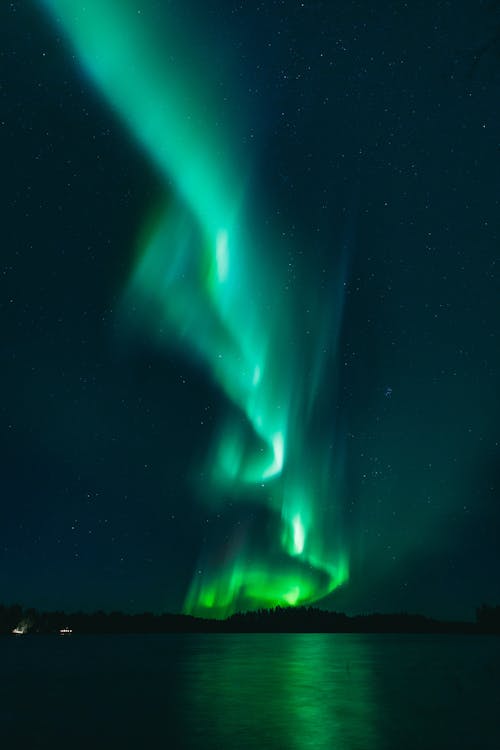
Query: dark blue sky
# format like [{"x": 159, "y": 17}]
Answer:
[{"x": 376, "y": 127}]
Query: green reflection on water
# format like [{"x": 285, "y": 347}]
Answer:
[{"x": 283, "y": 691}]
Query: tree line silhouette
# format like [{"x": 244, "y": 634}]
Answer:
[{"x": 277, "y": 620}]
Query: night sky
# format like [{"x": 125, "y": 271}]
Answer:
[{"x": 354, "y": 147}]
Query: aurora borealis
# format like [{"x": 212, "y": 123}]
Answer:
[
  {"x": 200, "y": 278},
  {"x": 262, "y": 362}
]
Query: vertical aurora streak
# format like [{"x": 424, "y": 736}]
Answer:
[{"x": 208, "y": 280}]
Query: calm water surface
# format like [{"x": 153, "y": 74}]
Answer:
[{"x": 295, "y": 691}]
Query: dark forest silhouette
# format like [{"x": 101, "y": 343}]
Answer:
[{"x": 278, "y": 620}]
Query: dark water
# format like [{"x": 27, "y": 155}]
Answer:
[{"x": 250, "y": 691}]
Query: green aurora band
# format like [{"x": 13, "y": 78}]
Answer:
[{"x": 206, "y": 281}]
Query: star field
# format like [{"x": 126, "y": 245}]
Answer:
[{"x": 366, "y": 139}]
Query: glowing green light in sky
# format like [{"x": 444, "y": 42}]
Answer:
[
  {"x": 298, "y": 535},
  {"x": 206, "y": 280},
  {"x": 292, "y": 597},
  {"x": 222, "y": 256},
  {"x": 278, "y": 451}
]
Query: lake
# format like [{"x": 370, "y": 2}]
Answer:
[{"x": 297, "y": 691}]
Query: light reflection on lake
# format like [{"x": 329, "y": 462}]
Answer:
[
  {"x": 283, "y": 691},
  {"x": 276, "y": 692}
]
